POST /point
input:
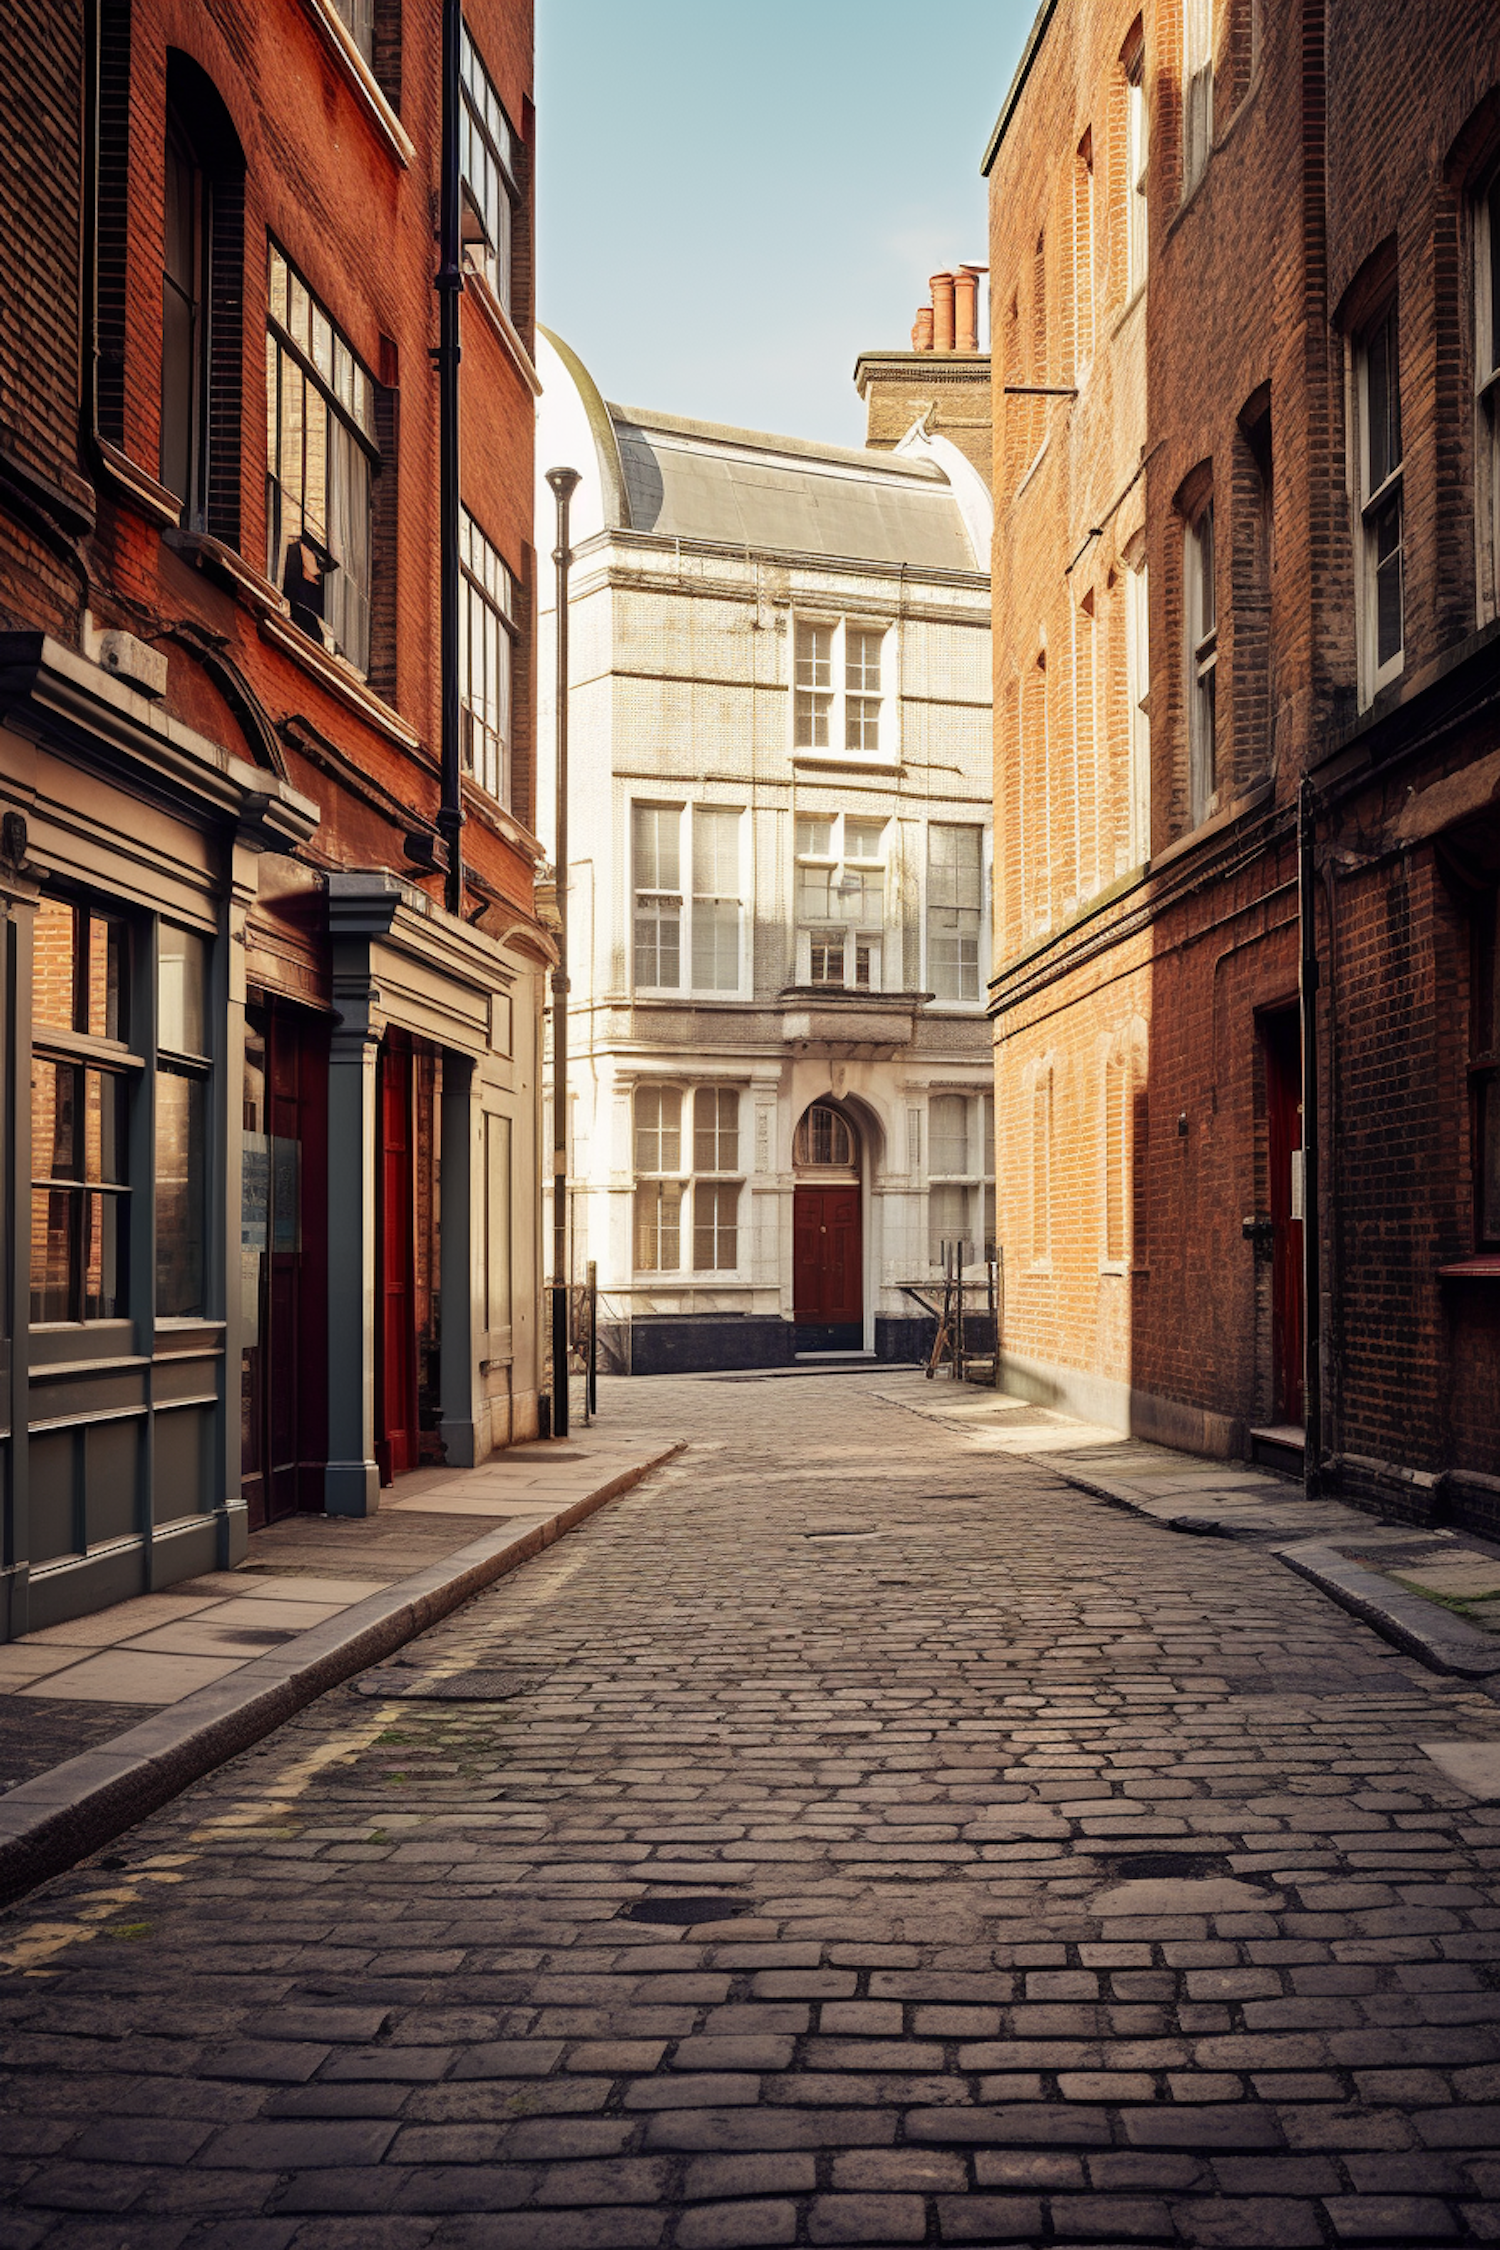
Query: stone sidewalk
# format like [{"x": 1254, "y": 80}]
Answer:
[
  {"x": 1431, "y": 1591},
  {"x": 74, "y": 1696}
]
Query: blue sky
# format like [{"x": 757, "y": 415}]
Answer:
[{"x": 734, "y": 200}]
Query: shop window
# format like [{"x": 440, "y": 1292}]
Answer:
[
  {"x": 322, "y": 455},
  {"x": 182, "y": 1092},
  {"x": 80, "y": 1114}
]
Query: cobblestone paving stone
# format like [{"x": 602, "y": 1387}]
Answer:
[{"x": 1088, "y": 1886}]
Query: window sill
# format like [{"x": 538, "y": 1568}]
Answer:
[
  {"x": 339, "y": 678},
  {"x": 490, "y": 810},
  {"x": 341, "y": 43},
  {"x": 216, "y": 560},
  {"x": 138, "y": 484},
  {"x": 476, "y": 285},
  {"x": 849, "y": 759},
  {"x": 1483, "y": 1266}
]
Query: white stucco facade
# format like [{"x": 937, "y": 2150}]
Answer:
[{"x": 779, "y": 816}]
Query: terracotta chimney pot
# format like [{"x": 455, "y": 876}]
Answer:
[
  {"x": 966, "y": 310},
  {"x": 921, "y": 334},
  {"x": 942, "y": 312}
]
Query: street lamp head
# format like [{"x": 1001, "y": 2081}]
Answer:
[{"x": 564, "y": 482}]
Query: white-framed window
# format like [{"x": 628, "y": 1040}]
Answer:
[
  {"x": 321, "y": 455},
  {"x": 843, "y": 705},
  {"x": 1382, "y": 625},
  {"x": 1137, "y": 695},
  {"x": 1201, "y": 613},
  {"x": 1487, "y": 390},
  {"x": 688, "y": 1179},
  {"x": 960, "y": 1175},
  {"x": 955, "y": 910},
  {"x": 486, "y": 624},
  {"x": 1137, "y": 168},
  {"x": 688, "y": 938},
  {"x": 840, "y": 900},
  {"x": 487, "y": 166},
  {"x": 1197, "y": 89}
]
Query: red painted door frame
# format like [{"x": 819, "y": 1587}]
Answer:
[{"x": 1281, "y": 1046}]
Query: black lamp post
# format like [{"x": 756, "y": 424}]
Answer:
[{"x": 564, "y": 483}]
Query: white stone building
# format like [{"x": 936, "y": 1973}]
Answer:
[{"x": 779, "y": 817}]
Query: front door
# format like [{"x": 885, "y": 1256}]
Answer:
[
  {"x": 397, "y": 1443},
  {"x": 1281, "y": 1038},
  {"x": 827, "y": 1269}
]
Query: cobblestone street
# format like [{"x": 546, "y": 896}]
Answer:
[{"x": 1062, "y": 1880}]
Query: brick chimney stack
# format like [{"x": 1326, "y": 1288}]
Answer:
[
  {"x": 921, "y": 333},
  {"x": 943, "y": 382},
  {"x": 966, "y": 309},
  {"x": 951, "y": 322},
  {"x": 942, "y": 312}
]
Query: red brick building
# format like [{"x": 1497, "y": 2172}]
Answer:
[
  {"x": 1243, "y": 296},
  {"x": 270, "y": 1197}
]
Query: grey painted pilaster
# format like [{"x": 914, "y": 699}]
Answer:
[
  {"x": 462, "y": 1213},
  {"x": 352, "y": 1481}
]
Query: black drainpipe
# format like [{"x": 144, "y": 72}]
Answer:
[
  {"x": 450, "y": 282},
  {"x": 1307, "y": 915}
]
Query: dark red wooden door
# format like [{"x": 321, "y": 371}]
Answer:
[
  {"x": 396, "y": 1440},
  {"x": 283, "y": 1273},
  {"x": 827, "y": 1262},
  {"x": 1281, "y": 1037}
]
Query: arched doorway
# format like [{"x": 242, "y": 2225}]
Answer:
[{"x": 828, "y": 1282}]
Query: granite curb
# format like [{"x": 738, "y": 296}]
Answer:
[
  {"x": 1422, "y": 1628},
  {"x": 49, "y": 1823}
]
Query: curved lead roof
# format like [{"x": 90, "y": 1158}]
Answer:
[{"x": 683, "y": 479}]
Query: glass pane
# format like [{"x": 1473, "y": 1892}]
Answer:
[
  {"x": 1383, "y": 404},
  {"x": 862, "y": 661},
  {"x": 863, "y": 839},
  {"x": 814, "y": 656},
  {"x": 948, "y": 1143},
  {"x": 716, "y": 852},
  {"x": 826, "y": 962},
  {"x": 104, "y": 1257},
  {"x": 278, "y": 285},
  {"x": 657, "y": 866},
  {"x": 53, "y": 965},
  {"x": 947, "y": 1214},
  {"x": 106, "y": 1016},
  {"x": 56, "y": 1215},
  {"x": 103, "y": 1125},
  {"x": 814, "y": 837},
  {"x": 181, "y": 963},
  {"x": 1386, "y": 536},
  {"x": 179, "y": 1194},
  {"x": 56, "y": 1121},
  {"x": 814, "y": 894},
  {"x": 715, "y": 1231},
  {"x": 716, "y": 945}
]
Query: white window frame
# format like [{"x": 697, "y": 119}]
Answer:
[
  {"x": 1376, "y": 495},
  {"x": 1137, "y": 171},
  {"x": 1487, "y": 397},
  {"x": 836, "y": 699},
  {"x": 1197, "y": 90},
  {"x": 687, "y": 1176},
  {"x": 1138, "y": 695},
  {"x": 1200, "y": 615},
  {"x": 962, "y": 1006},
  {"x": 687, "y": 901},
  {"x": 974, "y": 1178},
  {"x": 854, "y": 934}
]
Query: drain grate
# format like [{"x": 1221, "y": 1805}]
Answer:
[
  {"x": 454, "y": 1687},
  {"x": 684, "y": 1911}
]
